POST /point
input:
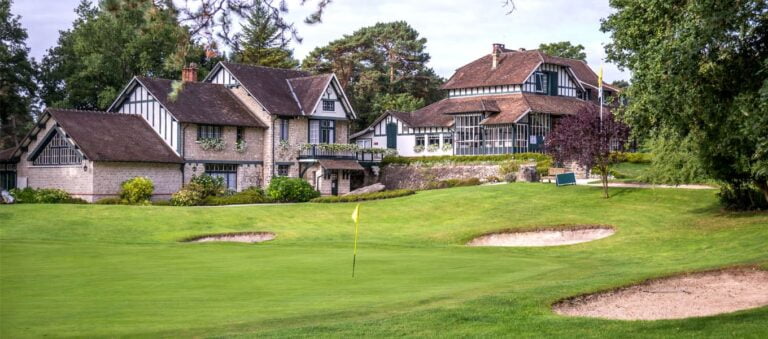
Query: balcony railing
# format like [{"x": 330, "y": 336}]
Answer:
[{"x": 320, "y": 152}]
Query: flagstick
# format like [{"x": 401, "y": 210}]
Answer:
[{"x": 354, "y": 252}]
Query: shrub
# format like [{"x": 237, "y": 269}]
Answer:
[
  {"x": 137, "y": 190},
  {"x": 453, "y": 183},
  {"x": 161, "y": 203},
  {"x": 44, "y": 196},
  {"x": 674, "y": 162},
  {"x": 492, "y": 179},
  {"x": 208, "y": 185},
  {"x": 364, "y": 196},
  {"x": 743, "y": 197},
  {"x": 284, "y": 189},
  {"x": 190, "y": 195},
  {"x": 252, "y": 195},
  {"x": 109, "y": 201},
  {"x": 635, "y": 158}
]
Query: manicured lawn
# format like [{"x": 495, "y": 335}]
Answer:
[{"x": 90, "y": 270}]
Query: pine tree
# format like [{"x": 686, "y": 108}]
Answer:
[{"x": 264, "y": 40}]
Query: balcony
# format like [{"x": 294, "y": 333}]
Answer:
[{"x": 339, "y": 151}]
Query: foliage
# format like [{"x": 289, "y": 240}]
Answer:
[
  {"x": 564, "y": 49},
  {"x": 241, "y": 146},
  {"x": 743, "y": 197},
  {"x": 212, "y": 144},
  {"x": 251, "y": 195},
  {"x": 30, "y": 195},
  {"x": 700, "y": 69},
  {"x": 284, "y": 189},
  {"x": 190, "y": 195},
  {"x": 465, "y": 159},
  {"x": 508, "y": 169},
  {"x": 433, "y": 148},
  {"x": 209, "y": 185},
  {"x": 365, "y": 196},
  {"x": 632, "y": 157},
  {"x": 674, "y": 161},
  {"x": 401, "y": 102},
  {"x": 107, "y": 46},
  {"x": 334, "y": 148},
  {"x": 447, "y": 147},
  {"x": 449, "y": 183},
  {"x": 264, "y": 39},
  {"x": 585, "y": 138},
  {"x": 377, "y": 63},
  {"x": 621, "y": 84},
  {"x": 17, "y": 79},
  {"x": 418, "y": 148},
  {"x": 137, "y": 190}
]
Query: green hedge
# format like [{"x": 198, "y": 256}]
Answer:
[
  {"x": 44, "y": 196},
  {"x": 453, "y": 183},
  {"x": 251, "y": 195},
  {"x": 364, "y": 196},
  {"x": 284, "y": 189},
  {"x": 465, "y": 159}
]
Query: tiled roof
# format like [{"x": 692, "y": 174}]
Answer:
[
  {"x": 340, "y": 164},
  {"x": 104, "y": 136},
  {"x": 269, "y": 86},
  {"x": 202, "y": 103},
  {"x": 513, "y": 68},
  {"x": 309, "y": 89}
]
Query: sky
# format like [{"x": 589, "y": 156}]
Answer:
[{"x": 457, "y": 31}]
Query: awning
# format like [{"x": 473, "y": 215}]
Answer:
[{"x": 333, "y": 164}]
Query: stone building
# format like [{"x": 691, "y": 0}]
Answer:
[{"x": 246, "y": 124}]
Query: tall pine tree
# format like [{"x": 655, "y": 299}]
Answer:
[{"x": 265, "y": 40}]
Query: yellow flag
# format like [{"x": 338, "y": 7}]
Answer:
[
  {"x": 356, "y": 214},
  {"x": 600, "y": 77}
]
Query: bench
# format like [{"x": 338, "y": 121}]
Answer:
[{"x": 552, "y": 174}]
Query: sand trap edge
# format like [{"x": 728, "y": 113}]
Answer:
[
  {"x": 241, "y": 237},
  {"x": 553, "y": 228},
  {"x": 596, "y": 295}
]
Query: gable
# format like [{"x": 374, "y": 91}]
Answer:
[
  {"x": 55, "y": 149},
  {"x": 331, "y": 103},
  {"x": 136, "y": 99},
  {"x": 547, "y": 76},
  {"x": 223, "y": 77}
]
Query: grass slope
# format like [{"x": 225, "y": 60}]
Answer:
[{"x": 89, "y": 270}]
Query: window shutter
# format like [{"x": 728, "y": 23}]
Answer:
[{"x": 553, "y": 83}]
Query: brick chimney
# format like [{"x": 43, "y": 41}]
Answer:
[
  {"x": 189, "y": 73},
  {"x": 496, "y": 53}
]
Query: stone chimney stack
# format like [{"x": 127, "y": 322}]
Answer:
[
  {"x": 189, "y": 73},
  {"x": 496, "y": 53}
]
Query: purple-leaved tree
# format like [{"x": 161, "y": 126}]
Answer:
[{"x": 585, "y": 139}]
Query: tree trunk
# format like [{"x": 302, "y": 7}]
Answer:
[
  {"x": 763, "y": 186},
  {"x": 604, "y": 179}
]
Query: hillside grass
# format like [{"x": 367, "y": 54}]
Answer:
[{"x": 99, "y": 270}]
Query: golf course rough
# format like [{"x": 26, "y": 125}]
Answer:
[
  {"x": 544, "y": 237},
  {"x": 683, "y": 296}
]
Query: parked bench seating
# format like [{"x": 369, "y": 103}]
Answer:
[{"x": 552, "y": 174}]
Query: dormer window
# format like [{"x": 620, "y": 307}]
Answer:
[{"x": 329, "y": 105}]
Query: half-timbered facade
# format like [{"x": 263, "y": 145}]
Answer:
[
  {"x": 245, "y": 124},
  {"x": 504, "y": 102}
]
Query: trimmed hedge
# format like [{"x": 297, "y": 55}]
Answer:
[
  {"x": 466, "y": 159},
  {"x": 453, "y": 183},
  {"x": 251, "y": 195},
  {"x": 365, "y": 196},
  {"x": 44, "y": 196}
]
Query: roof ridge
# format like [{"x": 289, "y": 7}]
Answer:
[
  {"x": 84, "y": 111},
  {"x": 311, "y": 76}
]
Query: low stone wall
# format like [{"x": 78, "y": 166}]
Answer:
[{"x": 419, "y": 176}]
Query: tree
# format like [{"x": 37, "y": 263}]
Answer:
[
  {"x": 107, "y": 46},
  {"x": 387, "y": 58},
  {"x": 621, "y": 84},
  {"x": 17, "y": 79},
  {"x": 564, "y": 49},
  {"x": 263, "y": 41},
  {"x": 700, "y": 69},
  {"x": 403, "y": 102},
  {"x": 586, "y": 138}
]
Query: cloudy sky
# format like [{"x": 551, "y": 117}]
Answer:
[{"x": 457, "y": 31}]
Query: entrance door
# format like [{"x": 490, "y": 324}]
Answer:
[
  {"x": 334, "y": 184},
  {"x": 391, "y": 135}
]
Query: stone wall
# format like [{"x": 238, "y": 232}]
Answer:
[
  {"x": 419, "y": 176},
  {"x": 254, "y": 138},
  {"x": 108, "y": 176}
]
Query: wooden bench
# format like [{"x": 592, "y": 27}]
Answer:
[{"x": 552, "y": 174}]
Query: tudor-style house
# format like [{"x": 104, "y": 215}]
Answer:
[
  {"x": 246, "y": 124},
  {"x": 504, "y": 102}
]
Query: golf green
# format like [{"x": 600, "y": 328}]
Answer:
[{"x": 93, "y": 270}]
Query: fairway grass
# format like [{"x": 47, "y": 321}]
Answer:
[{"x": 99, "y": 270}]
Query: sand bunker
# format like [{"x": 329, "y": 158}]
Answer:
[
  {"x": 249, "y": 237},
  {"x": 690, "y": 295},
  {"x": 546, "y": 237}
]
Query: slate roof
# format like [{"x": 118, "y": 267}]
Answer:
[
  {"x": 104, "y": 136},
  {"x": 270, "y": 86},
  {"x": 202, "y": 103},
  {"x": 513, "y": 68}
]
